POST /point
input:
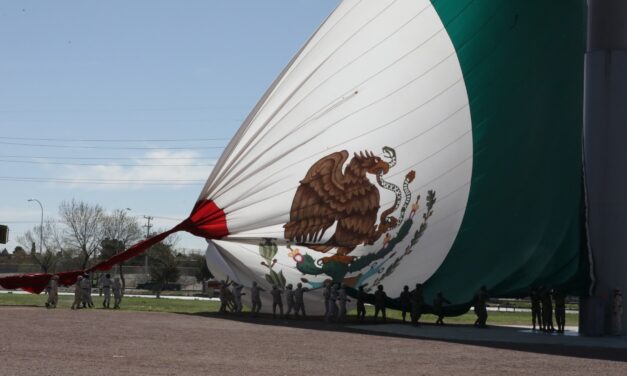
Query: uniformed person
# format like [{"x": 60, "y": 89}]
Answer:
[
  {"x": 102, "y": 277},
  {"x": 53, "y": 292},
  {"x": 547, "y": 310},
  {"x": 255, "y": 297},
  {"x": 105, "y": 286},
  {"x": 299, "y": 301},
  {"x": 361, "y": 306},
  {"x": 405, "y": 302},
  {"x": 86, "y": 291},
  {"x": 332, "y": 304},
  {"x": 560, "y": 310},
  {"x": 343, "y": 299},
  {"x": 117, "y": 293},
  {"x": 416, "y": 301},
  {"x": 237, "y": 296},
  {"x": 536, "y": 310},
  {"x": 617, "y": 312},
  {"x": 438, "y": 307},
  {"x": 224, "y": 296},
  {"x": 326, "y": 294},
  {"x": 481, "y": 301},
  {"x": 276, "y": 300},
  {"x": 379, "y": 303},
  {"x": 78, "y": 293},
  {"x": 289, "y": 299}
]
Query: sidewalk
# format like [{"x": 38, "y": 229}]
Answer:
[{"x": 496, "y": 335}]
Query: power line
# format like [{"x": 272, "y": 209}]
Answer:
[
  {"x": 102, "y": 164},
  {"x": 104, "y": 158},
  {"x": 169, "y": 218},
  {"x": 109, "y": 147},
  {"x": 137, "y": 109},
  {"x": 26, "y": 222},
  {"x": 115, "y": 140},
  {"x": 104, "y": 180},
  {"x": 60, "y": 221},
  {"x": 164, "y": 182}
]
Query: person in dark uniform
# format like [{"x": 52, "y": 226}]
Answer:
[
  {"x": 326, "y": 294},
  {"x": 379, "y": 303},
  {"x": 299, "y": 300},
  {"x": 224, "y": 296},
  {"x": 438, "y": 307},
  {"x": 276, "y": 301},
  {"x": 117, "y": 293},
  {"x": 405, "y": 300},
  {"x": 416, "y": 301},
  {"x": 342, "y": 298},
  {"x": 332, "y": 304},
  {"x": 105, "y": 286},
  {"x": 536, "y": 311},
  {"x": 560, "y": 310},
  {"x": 361, "y": 306},
  {"x": 289, "y": 299},
  {"x": 547, "y": 310},
  {"x": 255, "y": 295},
  {"x": 481, "y": 310}
]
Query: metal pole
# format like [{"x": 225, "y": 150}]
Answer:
[
  {"x": 41, "y": 225},
  {"x": 148, "y": 226},
  {"x": 605, "y": 156}
]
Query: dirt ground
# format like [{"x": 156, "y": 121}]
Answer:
[{"x": 36, "y": 341}]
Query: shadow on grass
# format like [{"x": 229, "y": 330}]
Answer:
[{"x": 317, "y": 323}]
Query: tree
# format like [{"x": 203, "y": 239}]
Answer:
[
  {"x": 202, "y": 273},
  {"x": 120, "y": 231},
  {"x": 45, "y": 258},
  {"x": 163, "y": 266},
  {"x": 83, "y": 229},
  {"x": 19, "y": 253}
]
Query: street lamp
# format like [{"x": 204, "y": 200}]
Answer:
[{"x": 41, "y": 225}]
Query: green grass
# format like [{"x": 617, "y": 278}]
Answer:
[
  {"x": 494, "y": 318},
  {"x": 128, "y": 304},
  {"x": 198, "y": 306}
]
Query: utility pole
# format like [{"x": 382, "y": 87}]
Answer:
[
  {"x": 605, "y": 137},
  {"x": 148, "y": 226},
  {"x": 41, "y": 225}
]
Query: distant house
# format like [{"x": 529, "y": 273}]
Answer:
[{"x": 19, "y": 252}]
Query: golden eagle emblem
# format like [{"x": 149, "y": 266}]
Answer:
[{"x": 331, "y": 194}]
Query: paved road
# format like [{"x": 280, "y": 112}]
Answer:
[{"x": 36, "y": 341}]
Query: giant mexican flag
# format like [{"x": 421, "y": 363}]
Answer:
[
  {"x": 416, "y": 141},
  {"x": 411, "y": 141}
]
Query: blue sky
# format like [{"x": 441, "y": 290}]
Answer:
[{"x": 114, "y": 93}]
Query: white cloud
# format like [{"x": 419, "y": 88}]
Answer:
[{"x": 175, "y": 168}]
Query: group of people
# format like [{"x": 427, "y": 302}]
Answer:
[
  {"x": 542, "y": 300},
  {"x": 231, "y": 299},
  {"x": 82, "y": 292},
  {"x": 336, "y": 298}
]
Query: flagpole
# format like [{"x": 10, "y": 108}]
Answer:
[{"x": 605, "y": 160}]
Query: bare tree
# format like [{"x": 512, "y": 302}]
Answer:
[
  {"x": 83, "y": 228},
  {"x": 46, "y": 258},
  {"x": 123, "y": 227},
  {"x": 123, "y": 231}
]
